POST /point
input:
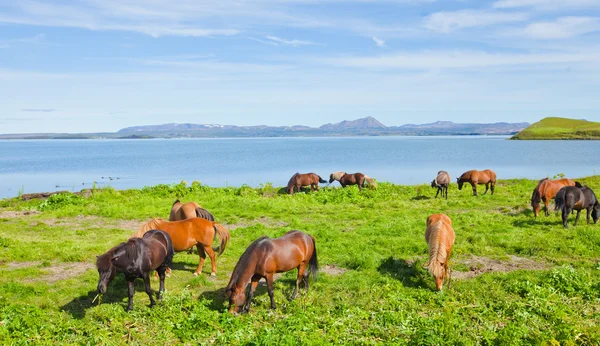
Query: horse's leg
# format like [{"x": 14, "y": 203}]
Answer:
[
  {"x": 493, "y": 185},
  {"x": 587, "y": 216},
  {"x": 577, "y": 218},
  {"x": 546, "y": 202},
  {"x": 269, "y": 278},
  {"x": 487, "y": 186},
  {"x": 213, "y": 261},
  {"x": 161, "y": 274},
  {"x": 474, "y": 185},
  {"x": 438, "y": 191},
  {"x": 301, "y": 269},
  {"x": 446, "y": 190},
  {"x": 565, "y": 216},
  {"x": 253, "y": 284},
  {"x": 130, "y": 291},
  {"x": 149, "y": 289},
  {"x": 202, "y": 256}
]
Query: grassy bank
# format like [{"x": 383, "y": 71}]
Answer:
[
  {"x": 560, "y": 128},
  {"x": 517, "y": 280}
]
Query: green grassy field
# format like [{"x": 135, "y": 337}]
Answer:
[
  {"x": 560, "y": 128},
  {"x": 516, "y": 280}
]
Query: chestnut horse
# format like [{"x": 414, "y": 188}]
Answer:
[
  {"x": 352, "y": 179},
  {"x": 265, "y": 257},
  {"x": 188, "y": 210},
  {"x": 304, "y": 179},
  {"x": 135, "y": 259},
  {"x": 441, "y": 181},
  {"x": 190, "y": 232},
  {"x": 546, "y": 190},
  {"x": 571, "y": 198},
  {"x": 440, "y": 239},
  {"x": 475, "y": 177}
]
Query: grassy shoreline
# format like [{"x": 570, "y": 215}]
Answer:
[{"x": 518, "y": 280}]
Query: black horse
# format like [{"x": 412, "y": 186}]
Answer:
[
  {"x": 571, "y": 198},
  {"x": 135, "y": 259}
]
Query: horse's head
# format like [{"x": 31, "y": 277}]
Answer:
[
  {"x": 596, "y": 212},
  {"x": 439, "y": 281},
  {"x": 460, "y": 183},
  {"x": 237, "y": 298},
  {"x": 433, "y": 184},
  {"x": 106, "y": 270},
  {"x": 331, "y": 178}
]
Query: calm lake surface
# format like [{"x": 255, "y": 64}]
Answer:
[{"x": 30, "y": 166}]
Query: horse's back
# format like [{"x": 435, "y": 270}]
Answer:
[
  {"x": 439, "y": 229},
  {"x": 291, "y": 249},
  {"x": 488, "y": 175},
  {"x": 442, "y": 178}
]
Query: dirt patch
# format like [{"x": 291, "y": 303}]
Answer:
[
  {"x": 96, "y": 221},
  {"x": 481, "y": 265},
  {"x": 331, "y": 269},
  {"x": 266, "y": 221},
  {"x": 9, "y": 214},
  {"x": 62, "y": 271},
  {"x": 20, "y": 265}
]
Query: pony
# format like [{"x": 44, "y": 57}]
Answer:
[
  {"x": 441, "y": 181},
  {"x": 546, "y": 190},
  {"x": 352, "y": 179},
  {"x": 135, "y": 259},
  {"x": 440, "y": 239},
  {"x": 474, "y": 177},
  {"x": 190, "y": 232},
  {"x": 571, "y": 198},
  {"x": 265, "y": 257},
  {"x": 304, "y": 179},
  {"x": 188, "y": 210}
]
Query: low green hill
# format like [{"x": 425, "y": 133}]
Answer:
[{"x": 560, "y": 128}]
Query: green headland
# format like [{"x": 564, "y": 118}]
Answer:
[{"x": 560, "y": 128}]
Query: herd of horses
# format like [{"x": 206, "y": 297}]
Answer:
[{"x": 152, "y": 247}]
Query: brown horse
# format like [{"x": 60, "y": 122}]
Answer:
[
  {"x": 474, "y": 177},
  {"x": 265, "y": 257},
  {"x": 190, "y": 232},
  {"x": 441, "y": 181},
  {"x": 304, "y": 179},
  {"x": 546, "y": 190},
  {"x": 440, "y": 239},
  {"x": 188, "y": 210},
  {"x": 352, "y": 179}
]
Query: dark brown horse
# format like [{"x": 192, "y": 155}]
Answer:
[
  {"x": 546, "y": 190},
  {"x": 190, "y": 232},
  {"x": 571, "y": 198},
  {"x": 135, "y": 259},
  {"x": 475, "y": 177},
  {"x": 304, "y": 179},
  {"x": 441, "y": 181},
  {"x": 346, "y": 179},
  {"x": 188, "y": 210},
  {"x": 265, "y": 257}
]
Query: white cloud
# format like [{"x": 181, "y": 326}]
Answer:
[
  {"x": 448, "y": 21},
  {"x": 547, "y": 4},
  {"x": 293, "y": 43},
  {"x": 379, "y": 42},
  {"x": 562, "y": 28}
]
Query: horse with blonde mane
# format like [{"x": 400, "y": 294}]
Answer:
[
  {"x": 352, "y": 179},
  {"x": 440, "y": 239},
  {"x": 298, "y": 180},
  {"x": 546, "y": 190},
  {"x": 475, "y": 177},
  {"x": 182, "y": 211},
  {"x": 190, "y": 232}
]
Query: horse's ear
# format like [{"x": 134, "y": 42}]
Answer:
[{"x": 114, "y": 258}]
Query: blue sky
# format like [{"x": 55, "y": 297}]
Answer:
[{"x": 101, "y": 65}]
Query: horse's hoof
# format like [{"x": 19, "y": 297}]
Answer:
[
  {"x": 213, "y": 274},
  {"x": 195, "y": 274}
]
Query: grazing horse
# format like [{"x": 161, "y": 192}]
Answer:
[
  {"x": 571, "y": 198},
  {"x": 304, "y": 179},
  {"x": 352, "y": 179},
  {"x": 474, "y": 177},
  {"x": 441, "y": 181},
  {"x": 440, "y": 239},
  {"x": 190, "y": 232},
  {"x": 135, "y": 259},
  {"x": 545, "y": 190},
  {"x": 189, "y": 210},
  {"x": 265, "y": 257}
]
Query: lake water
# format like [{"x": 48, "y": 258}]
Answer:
[{"x": 49, "y": 165}]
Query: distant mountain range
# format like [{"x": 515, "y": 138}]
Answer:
[{"x": 368, "y": 126}]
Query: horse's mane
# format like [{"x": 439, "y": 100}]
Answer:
[
  {"x": 243, "y": 262},
  {"x": 338, "y": 175},
  {"x": 437, "y": 250},
  {"x": 292, "y": 179},
  {"x": 152, "y": 224},
  {"x": 104, "y": 261}
]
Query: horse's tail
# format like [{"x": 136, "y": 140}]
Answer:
[
  {"x": 204, "y": 214},
  {"x": 223, "y": 234},
  {"x": 313, "y": 263},
  {"x": 321, "y": 180},
  {"x": 578, "y": 184},
  {"x": 170, "y": 250},
  {"x": 371, "y": 181},
  {"x": 559, "y": 200}
]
